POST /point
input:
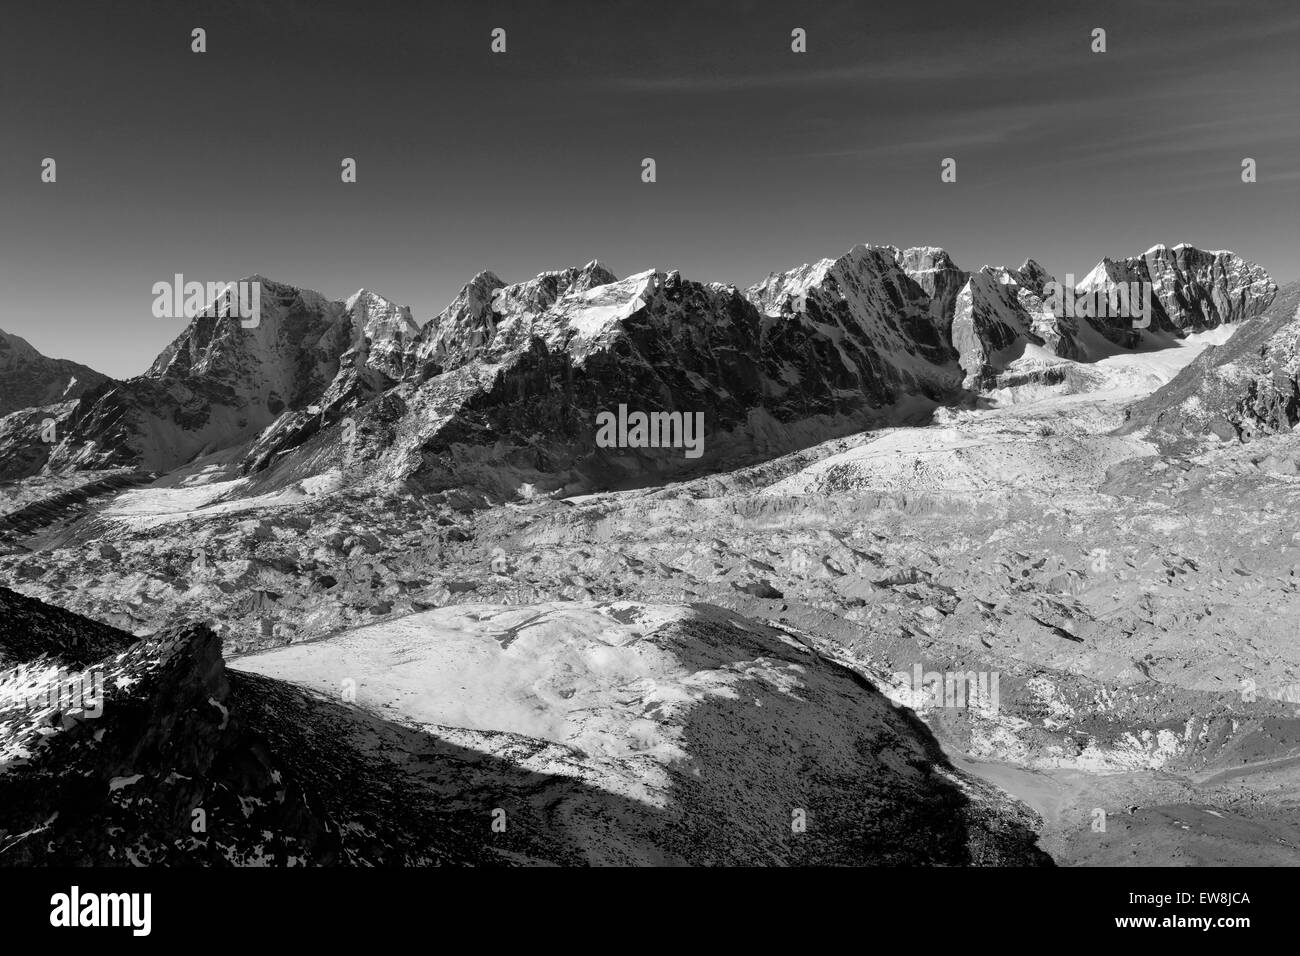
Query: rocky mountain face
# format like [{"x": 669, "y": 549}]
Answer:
[
  {"x": 29, "y": 379},
  {"x": 1000, "y": 313},
  {"x": 219, "y": 385},
  {"x": 934, "y": 271},
  {"x": 216, "y": 386},
  {"x": 502, "y": 390},
  {"x": 1193, "y": 290},
  {"x": 870, "y": 324},
  {"x": 24, "y": 448},
  {"x": 1244, "y": 389},
  {"x": 994, "y": 320},
  {"x": 521, "y": 748},
  {"x": 815, "y": 351}
]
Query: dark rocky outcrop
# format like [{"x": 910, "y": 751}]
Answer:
[{"x": 1246, "y": 388}]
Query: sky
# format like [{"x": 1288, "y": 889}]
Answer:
[{"x": 227, "y": 163}]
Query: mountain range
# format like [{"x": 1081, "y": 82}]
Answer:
[{"x": 501, "y": 389}]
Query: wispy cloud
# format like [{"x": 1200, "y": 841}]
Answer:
[{"x": 1030, "y": 50}]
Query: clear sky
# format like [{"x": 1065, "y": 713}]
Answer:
[{"x": 225, "y": 164}]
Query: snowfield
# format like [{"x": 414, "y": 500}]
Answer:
[
  {"x": 598, "y": 678},
  {"x": 151, "y": 507}
]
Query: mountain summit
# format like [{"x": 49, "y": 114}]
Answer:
[{"x": 29, "y": 379}]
